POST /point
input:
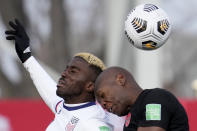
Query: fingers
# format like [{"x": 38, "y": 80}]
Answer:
[
  {"x": 14, "y": 26},
  {"x": 10, "y": 37},
  {"x": 18, "y": 23},
  {"x": 10, "y": 32},
  {"x": 17, "y": 31}
]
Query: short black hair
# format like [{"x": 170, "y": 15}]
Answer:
[{"x": 97, "y": 71}]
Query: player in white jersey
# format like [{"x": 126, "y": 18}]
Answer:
[{"x": 72, "y": 99}]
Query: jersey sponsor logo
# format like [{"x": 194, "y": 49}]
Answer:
[
  {"x": 127, "y": 120},
  {"x": 153, "y": 112},
  {"x": 104, "y": 128},
  {"x": 71, "y": 125}
]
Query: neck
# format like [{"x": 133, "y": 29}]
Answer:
[
  {"x": 134, "y": 93},
  {"x": 78, "y": 99}
]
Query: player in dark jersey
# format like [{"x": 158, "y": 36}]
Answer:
[{"x": 147, "y": 110}]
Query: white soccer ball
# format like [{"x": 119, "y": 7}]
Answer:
[{"x": 147, "y": 27}]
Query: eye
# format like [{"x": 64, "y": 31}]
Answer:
[
  {"x": 72, "y": 71},
  {"x": 102, "y": 96}
]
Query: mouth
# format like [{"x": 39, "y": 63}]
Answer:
[
  {"x": 114, "y": 110},
  {"x": 111, "y": 109},
  {"x": 61, "y": 83}
]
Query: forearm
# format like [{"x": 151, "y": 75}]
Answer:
[
  {"x": 45, "y": 85},
  {"x": 153, "y": 128},
  {"x": 43, "y": 82}
]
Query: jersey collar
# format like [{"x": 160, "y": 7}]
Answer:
[{"x": 71, "y": 108}]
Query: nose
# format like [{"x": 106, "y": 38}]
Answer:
[
  {"x": 106, "y": 106},
  {"x": 64, "y": 73},
  {"x": 103, "y": 104}
]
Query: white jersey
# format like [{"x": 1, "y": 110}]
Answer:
[
  {"x": 70, "y": 117},
  {"x": 79, "y": 117}
]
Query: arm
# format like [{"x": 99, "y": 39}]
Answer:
[
  {"x": 156, "y": 111},
  {"x": 45, "y": 85},
  {"x": 150, "y": 129},
  {"x": 43, "y": 82}
]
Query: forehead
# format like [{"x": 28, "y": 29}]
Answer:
[
  {"x": 103, "y": 89},
  {"x": 78, "y": 62},
  {"x": 106, "y": 85}
]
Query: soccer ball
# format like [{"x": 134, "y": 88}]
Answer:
[{"x": 147, "y": 27}]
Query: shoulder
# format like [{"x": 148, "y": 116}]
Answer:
[
  {"x": 116, "y": 121},
  {"x": 58, "y": 105},
  {"x": 159, "y": 95},
  {"x": 95, "y": 125},
  {"x": 157, "y": 99},
  {"x": 159, "y": 107},
  {"x": 158, "y": 92}
]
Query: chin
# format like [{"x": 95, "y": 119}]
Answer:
[
  {"x": 59, "y": 93},
  {"x": 118, "y": 113},
  {"x": 123, "y": 113}
]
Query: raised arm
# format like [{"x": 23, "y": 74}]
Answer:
[{"x": 45, "y": 85}]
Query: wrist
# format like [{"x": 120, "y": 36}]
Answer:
[{"x": 25, "y": 57}]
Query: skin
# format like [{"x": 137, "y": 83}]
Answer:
[
  {"x": 116, "y": 90},
  {"x": 150, "y": 129},
  {"x": 77, "y": 82}
]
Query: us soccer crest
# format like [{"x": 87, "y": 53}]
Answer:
[{"x": 72, "y": 123}]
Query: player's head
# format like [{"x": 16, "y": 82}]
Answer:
[
  {"x": 116, "y": 90},
  {"x": 77, "y": 80}
]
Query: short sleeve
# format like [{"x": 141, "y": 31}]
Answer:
[
  {"x": 156, "y": 110},
  {"x": 94, "y": 125},
  {"x": 155, "y": 114}
]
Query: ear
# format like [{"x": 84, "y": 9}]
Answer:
[
  {"x": 120, "y": 79},
  {"x": 89, "y": 86}
]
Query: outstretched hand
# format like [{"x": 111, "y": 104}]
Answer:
[{"x": 19, "y": 35}]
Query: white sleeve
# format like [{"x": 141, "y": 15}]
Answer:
[
  {"x": 116, "y": 121},
  {"x": 93, "y": 125},
  {"x": 45, "y": 85}
]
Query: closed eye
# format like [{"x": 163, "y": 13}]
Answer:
[{"x": 74, "y": 69}]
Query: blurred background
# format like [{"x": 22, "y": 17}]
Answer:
[{"x": 60, "y": 28}]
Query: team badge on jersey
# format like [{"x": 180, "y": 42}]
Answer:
[
  {"x": 153, "y": 112},
  {"x": 71, "y": 125},
  {"x": 127, "y": 120}
]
